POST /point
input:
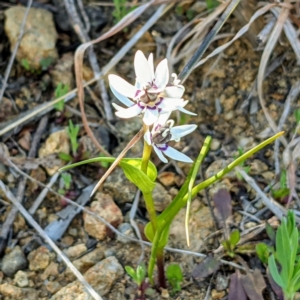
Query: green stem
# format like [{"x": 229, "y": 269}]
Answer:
[
  {"x": 148, "y": 196},
  {"x": 151, "y": 210}
]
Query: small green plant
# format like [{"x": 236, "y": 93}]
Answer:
[
  {"x": 175, "y": 277},
  {"x": 284, "y": 263},
  {"x": 283, "y": 191},
  {"x": 45, "y": 63},
  {"x": 137, "y": 275},
  {"x": 230, "y": 244},
  {"x": 211, "y": 4},
  {"x": 67, "y": 180},
  {"x": 25, "y": 64},
  {"x": 121, "y": 10},
  {"x": 60, "y": 91},
  {"x": 297, "y": 115},
  {"x": 72, "y": 132}
]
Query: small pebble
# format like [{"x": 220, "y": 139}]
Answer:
[
  {"x": 21, "y": 279},
  {"x": 39, "y": 259},
  {"x": 221, "y": 282},
  {"x": 75, "y": 251},
  {"x": 215, "y": 144},
  {"x": 217, "y": 295},
  {"x": 165, "y": 294},
  {"x": 13, "y": 262},
  {"x": 73, "y": 232},
  {"x": 126, "y": 229},
  {"x": 53, "y": 286}
]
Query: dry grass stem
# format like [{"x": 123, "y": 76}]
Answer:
[
  {"x": 239, "y": 34},
  {"x": 263, "y": 64}
]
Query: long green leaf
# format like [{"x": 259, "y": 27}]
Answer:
[{"x": 274, "y": 272}]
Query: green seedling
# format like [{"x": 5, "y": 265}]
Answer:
[
  {"x": 45, "y": 63},
  {"x": 121, "y": 10},
  {"x": 60, "y": 91},
  {"x": 137, "y": 275},
  {"x": 242, "y": 165},
  {"x": 297, "y": 115},
  {"x": 25, "y": 64},
  {"x": 283, "y": 191},
  {"x": 211, "y": 4},
  {"x": 175, "y": 277},
  {"x": 263, "y": 252},
  {"x": 67, "y": 180},
  {"x": 284, "y": 263},
  {"x": 72, "y": 132},
  {"x": 230, "y": 244}
]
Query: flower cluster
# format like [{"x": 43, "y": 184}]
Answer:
[{"x": 154, "y": 98}]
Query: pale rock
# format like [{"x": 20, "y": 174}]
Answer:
[
  {"x": 103, "y": 206},
  {"x": 126, "y": 229},
  {"x": 14, "y": 292},
  {"x": 39, "y": 259},
  {"x": 13, "y": 262},
  {"x": 51, "y": 270},
  {"x": 75, "y": 251},
  {"x": 57, "y": 142},
  {"x": 21, "y": 279},
  {"x": 119, "y": 187},
  {"x": 62, "y": 72},
  {"x": 53, "y": 287},
  {"x": 215, "y": 144},
  {"x": 101, "y": 277},
  {"x": 85, "y": 262},
  {"x": 39, "y": 41}
]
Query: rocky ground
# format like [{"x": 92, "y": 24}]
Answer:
[{"x": 222, "y": 93}]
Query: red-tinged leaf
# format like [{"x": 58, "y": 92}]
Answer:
[
  {"x": 253, "y": 284},
  {"x": 275, "y": 287},
  {"x": 236, "y": 290},
  {"x": 222, "y": 201},
  {"x": 206, "y": 268}
]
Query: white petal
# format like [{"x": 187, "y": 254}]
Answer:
[
  {"x": 147, "y": 137},
  {"x": 174, "y": 91},
  {"x": 162, "y": 74},
  {"x": 185, "y": 111},
  {"x": 170, "y": 104},
  {"x": 121, "y": 86},
  {"x": 180, "y": 131},
  {"x": 159, "y": 154},
  {"x": 176, "y": 155},
  {"x": 130, "y": 112},
  {"x": 163, "y": 118},
  {"x": 142, "y": 68},
  {"x": 151, "y": 64},
  {"x": 122, "y": 98},
  {"x": 150, "y": 116},
  {"x": 117, "y": 107}
]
